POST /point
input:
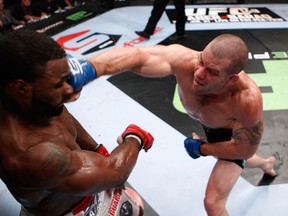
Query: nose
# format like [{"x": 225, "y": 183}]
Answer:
[
  {"x": 69, "y": 93},
  {"x": 68, "y": 89},
  {"x": 200, "y": 73}
]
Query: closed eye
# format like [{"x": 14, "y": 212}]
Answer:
[
  {"x": 61, "y": 82},
  {"x": 213, "y": 72}
]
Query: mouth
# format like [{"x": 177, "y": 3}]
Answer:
[
  {"x": 197, "y": 82},
  {"x": 65, "y": 99}
]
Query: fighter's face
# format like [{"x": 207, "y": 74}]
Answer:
[
  {"x": 45, "y": 108},
  {"x": 209, "y": 74},
  {"x": 51, "y": 91}
]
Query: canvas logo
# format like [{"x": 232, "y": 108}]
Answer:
[
  {"x": 87, "y": 42},
  {"x": 222, "y": 15},
  {"x": 140, "y": 39}
]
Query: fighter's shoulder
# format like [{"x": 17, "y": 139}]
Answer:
[
  {"x": 251, "y": 93},
  {"x": 178, "y": 47},
  {"x": 180, "y": 52},
  {"x": 39, "y": 163},
  {"x": 249, "y": 107}
]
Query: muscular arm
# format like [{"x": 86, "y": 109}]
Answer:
[
  {"x": 53, "y": 166},
  {"x": 243, "y": 145},
  {"x": 153, "y": 61}
]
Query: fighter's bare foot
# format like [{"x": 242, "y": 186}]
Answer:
[{"x": 268, "y": 167}]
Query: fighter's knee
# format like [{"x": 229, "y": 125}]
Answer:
[
  {"x": 214, "y": 206},
  {"x": 208, "y": 203}
]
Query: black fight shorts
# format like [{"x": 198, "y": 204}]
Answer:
[{"x": 221, "y": 135}]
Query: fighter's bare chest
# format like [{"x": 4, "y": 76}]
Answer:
[
  {"x": 213, "y": 114},
  {"x": 58, "y": 131},
  {"x": 65, "y": 131}
]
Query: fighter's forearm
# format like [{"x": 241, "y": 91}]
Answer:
[
  {"x": 243, "y": 145},
  {"x": 99, "y": 173},
  {"x": 229, "y": 150},
  {"x": 116, "y": 60}
]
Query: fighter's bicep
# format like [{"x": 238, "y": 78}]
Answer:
[
  {"x": 57, "y": 168},
  {"x": 95, "y": 174},
  {"x": 46, "y": 163},
  {"x": 155, "y": 61},
  {"x": 153, "y": 66}
]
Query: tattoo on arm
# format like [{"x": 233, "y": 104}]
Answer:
[
  {"x": 252, "y": 135},
  {"x": 56, "y": 162}
]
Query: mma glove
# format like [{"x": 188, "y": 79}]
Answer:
[
  {"x": 81, "y": 73},
  {"x": 192, "y": 147},
  {"x": 144, "y": 138},
  {"x": 101, "y": 150}
]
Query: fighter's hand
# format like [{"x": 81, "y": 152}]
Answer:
[
  {"x": 145, "y": 138},
  {"x": 192, "y": 145},
  {"x": 81, "y": 73}
]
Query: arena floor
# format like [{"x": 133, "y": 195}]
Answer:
[{"x": 169, "y": 181}]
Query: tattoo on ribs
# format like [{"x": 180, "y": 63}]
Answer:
[{"x": 252, "y": 135}]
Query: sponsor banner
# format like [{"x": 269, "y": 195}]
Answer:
[
  {"x": 226, "y": 15},
  {"x": 63, "y": 20}
]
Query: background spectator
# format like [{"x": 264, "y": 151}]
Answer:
[
  {"x": 47, "y": 6},
  {"x": 65, "y": 4},
  {"x": 7, "y": 21},
  {"x": 28, "y": 12}
]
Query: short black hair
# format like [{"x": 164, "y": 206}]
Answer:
[{"x": 24, "y": 54}]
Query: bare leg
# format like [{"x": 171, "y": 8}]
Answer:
[
  {"x": 266, "y": 164},
  {"x": 221, "y": 181}
]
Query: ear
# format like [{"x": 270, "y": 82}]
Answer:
[{"x": 22, "y": 87}]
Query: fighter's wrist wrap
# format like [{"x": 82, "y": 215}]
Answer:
[{"x": 135, "y": 137}]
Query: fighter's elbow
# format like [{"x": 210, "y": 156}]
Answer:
[
  {"x": 120, "y": 178},
  {"x": 250, "y": 153}
]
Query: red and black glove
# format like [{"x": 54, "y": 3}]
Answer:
[
  {"x": 145, "y": 138},
  {"x": 102, "y": 150}
]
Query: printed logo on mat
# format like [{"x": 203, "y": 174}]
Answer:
[
  {"x": 87, "y": 41},
  {"x": 223, "y": 15}
]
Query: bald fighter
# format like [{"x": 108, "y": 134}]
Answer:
[{"x": 214, "y": 90}]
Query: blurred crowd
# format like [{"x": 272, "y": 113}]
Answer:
[{"x": 15, "y": 14}]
